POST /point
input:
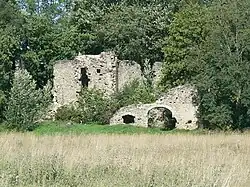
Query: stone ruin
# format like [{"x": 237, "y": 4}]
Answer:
[
  {"x": 104, "y": 72},
  {"x": 174, "y": 109},
  {"x": 107, "y": 73}
]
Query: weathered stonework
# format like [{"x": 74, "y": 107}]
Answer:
[
  {"x": 161, "y": 117},
  {"x": 107, "y": 73},
  {"x": 178, "y": 100},
  {"x": 104, "y": 72}
]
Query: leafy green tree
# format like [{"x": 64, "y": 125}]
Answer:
[
  {"x": 44, "y": 24},
  {"x": 223, "y": 65},
  {"x": 132, "y": 28},
  {"x": 10, "y": 24},
  {"x": 84, "y": 17},
  {"x": 135, "y": 33},
  {"x": 37, "y": 49},
  {"x": 26, "y": 104},
  {"x": 53, "y": 10},
  {"x": 187, "y": 30},
  {"x": 9, "y": 44}
]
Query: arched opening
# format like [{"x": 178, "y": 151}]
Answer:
[
  {"x": 161, "y": 117},
  {"x": 128, "y": 119}
]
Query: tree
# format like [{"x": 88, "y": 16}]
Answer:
[
  {"x": 53, "y": 10},
  {"x": 132, "y": 28},
  {"x": 37, "y": 48},
  {"x": 223, "y": 65},
  {"x": 135, "y": 33},
  {"x": 187, "y": 30},
  {"x": 10, "y": 24},
  {"x": 47, "y": 37},
  {"x": 26, "y": 104}
]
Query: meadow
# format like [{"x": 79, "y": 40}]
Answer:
[{"x": 144, "y": 159}]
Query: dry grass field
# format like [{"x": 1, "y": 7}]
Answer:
[{"x": 125, "y": 160}]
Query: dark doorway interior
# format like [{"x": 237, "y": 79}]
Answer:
[
  {"x": 128, "y": 119},
  {"x": 84, "y": 77}
]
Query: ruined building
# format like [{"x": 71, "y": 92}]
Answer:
[
  {"x": 175, "y": 105},
  {"x": 104, "y": 72},
  {"x": 107, "y": 73}
]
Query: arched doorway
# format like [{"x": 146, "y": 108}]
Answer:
[{"x": 161, "y": 117}]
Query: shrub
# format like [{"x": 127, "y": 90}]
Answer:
[
  {"x": 26, "y": 104},
  {"x": 95, "y": 107},
  {"x": 68, "y": 112},
  {"x": 134, "y": 93}
]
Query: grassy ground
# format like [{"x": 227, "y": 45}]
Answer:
[
  {"x": 55, "y": 128},
  {"x": 124, "y": 160}
]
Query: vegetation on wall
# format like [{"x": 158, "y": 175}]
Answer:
[{"x": 94, "y": 107}]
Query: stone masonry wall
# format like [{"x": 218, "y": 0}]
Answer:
[
  {"x": 104, "y": 72},
  {"x": 107, "y": 73},
  {"x": 178, "y": 101},
  {"x": 127, "y": 72}
]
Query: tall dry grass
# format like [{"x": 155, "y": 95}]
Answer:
[{"x": 122, "y": 160}]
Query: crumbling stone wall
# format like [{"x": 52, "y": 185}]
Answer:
[
  {"x": 156, "y": 70},
  {"x": 107, "y": 73},
  {"x": 178, "y": 100},
  {"x": 127, "y": 72},
  {"x": 103, "y": 71}
]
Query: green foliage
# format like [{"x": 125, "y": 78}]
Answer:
[
  {"x": 37, "y": 51},
  {"x": 135, "y": 33},
  {"x": 94, "y": 107},
  {"x": 187, "y": 31},
  {"x": 68, "y": 113},
  {"x": 9, "y": 13},
  {"x": 2, "y": 104},
  {"x": 53, "y": 10},
  {"x": 134, "y": 93},
  {"x": 58, "y": 127},
  {"x": 26, "y": 104},
  {"x": 8, "y": 54},
  {"x": 10, "y": 21},
  {"x": 223, "y": 65}
]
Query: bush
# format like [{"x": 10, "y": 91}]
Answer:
[
  {"x": 26, "y": 104},
  {"x": 68, "y": 112},
  {"x": 94, "y": 107},
  {"x": 134, "y": 93}
]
